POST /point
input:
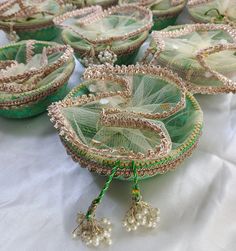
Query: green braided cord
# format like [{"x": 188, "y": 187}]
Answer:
[
  {"x": 136, "y": 190},
  {"x": 95, "y": 202},
  {"x": 220, "y": 17}
]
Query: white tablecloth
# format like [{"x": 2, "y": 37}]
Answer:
[{"x": 41, "y": 189}]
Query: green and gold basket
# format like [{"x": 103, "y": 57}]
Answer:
[
  {"x": 165, "y": 12},
  {"x": 129, "y": 123},
  {"x": 33, "y": 74},
  {"x": 31, "y": 19},
  {"x": 213, "y": 11},
  {"x": 86, "y": 3},
  {"x": 199, "y": 53},
  {"x": 110, "y": 36}
]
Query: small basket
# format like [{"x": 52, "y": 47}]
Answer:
[
  {"x": 139, "y": 114},
  {"x": 165, "y": 12},
  {"x": 33, "y": 75},
  {"x": 31, "y": 19},
  {"x": 213, "y": 11},
  {"x": 199, "y": 53},
  {"x": 110, "y": 36}
]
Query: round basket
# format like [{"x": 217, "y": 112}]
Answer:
[
  {"x": 110, "y": 36},
  {"x": 213, "y": 11},
  {"x": 165, "y": 12},
  {"x": 139, "y": 114},
  {"x": 185, "y": 50},
  {"x": 31, "y": 19},
  {"x": 33, "y": 75}
]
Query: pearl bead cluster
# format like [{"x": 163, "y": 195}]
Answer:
[
  {"x": 104, "y": 57},
  {"x": 87, "y": 61},
  {"x": 107, "y": 57},
  {"x": 92, "y": 231},
  {"x": 141, "y": 214}
]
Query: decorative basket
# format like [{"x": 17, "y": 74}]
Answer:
[
  {"x": 130, "y": 123},
  {"x": 213, "y": 11},
  {"x": 165, "y": 12},
  {"x": 33, "y": 74},
  {"x": 199, "y": 54},
  {"x": 31, "y": 19},
  {"x": 110, "y": 36},
  {"x": 86, "y": 3}
]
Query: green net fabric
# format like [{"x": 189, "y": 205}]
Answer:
[
  {"x": 165, "y": 12},
  {"x": 30, "y": 72},
  {"x": 146, "y": 118},
  {"x": 216, "y": 11},
  {"x": 31, "y": 19},
  {"x": 120, "y": 30},
  {"x": 178, "y": 49}
]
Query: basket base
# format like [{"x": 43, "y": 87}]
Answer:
[
  {"x": 45, "y": 34},
  {"x": 37, "y": 108},
  {"x": 160, "y": 24}
]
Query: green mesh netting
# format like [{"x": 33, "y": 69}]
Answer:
[
  {"x": 214, "y": 11},
  {"x": 112, "y": 26},
  {"x": 149, "y": 95},
  {"x": 180, "y": 52},
  {"x": 156, "y": 5},
  {"x": 215, "y": 60}
]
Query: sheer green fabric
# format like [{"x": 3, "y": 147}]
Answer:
[
  {"x": 165, "y": 12},
  {"x": 109, "y": 27},
  {"x": 180, "y": 52},
  {"x": 214, "y": 11},
  {"x": 149, "y": 95}
]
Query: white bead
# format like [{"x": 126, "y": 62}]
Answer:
[
  {"x": 128, "y": 229},
  {"x": 154, "y": 225},
  {"x": 139, "y": 216},
  {"x": 145, "y": 211},
  {"x": 107, "y": 234},
  {"x": 109, "y": 242},
  {"x": 131, "y": 220}
]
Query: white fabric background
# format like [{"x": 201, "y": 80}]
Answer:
[{"x": 41, "y": 189}]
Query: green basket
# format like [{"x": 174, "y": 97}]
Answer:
[
  {"x": 180, "y": 48},
  {"x": 184, "y": 127},
  {"x": 165, "y": 12},
  {"x": 117, "y": 32},
  {"x": 28, "y": 103},
  {"x": 32, "y": 23}
]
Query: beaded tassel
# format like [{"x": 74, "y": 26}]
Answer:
[
  {"x": 140, "y": 214},
  {"x": 91, "y": 230}
]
